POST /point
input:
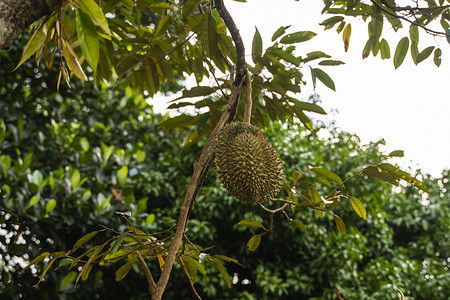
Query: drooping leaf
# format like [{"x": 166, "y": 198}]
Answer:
[
  {"x": 325, "y": 78},
  {"x": 117, "y": 242},
  {"x": 219, "y": 266},
  {"x": 96, "y": 14},
  {"x": 300, "y": 225},
  {"x": 414, "y": 34},
  {"x": 280, "y": 31},
  {"x": 374, "y": 172},
  {"x": 249, "y": 223},
  {"x": 190, "y": 6},
  {"x": 68, "y": 279},
  {"x": 254, "y": 242},
  {"x": 37, "y": 260},
  {"x": 72, "y": 61},
  {"x": 346, "y": 36},
  {"x": 330, "y": 22},
  {"x": 340, "y": 224},
  {"x": 308, "y": 106},
  {"x": 358, "y": 207},
  {"x": 425, "y": 54},
  {"x": 401, "y": 51},
  {"x": 384, "y": 49},
  {"x": 88, "y": 38},
  {"x": 35, "y": 43},
  {"x": 297, "y": 37},
  {"x": 123, "y": 271},
  {"x": 35, "y": 199},
  {"x": 327, "y": 174},
  {"x": 437, "y": 57},
  {"x": 257, "y": 46}
]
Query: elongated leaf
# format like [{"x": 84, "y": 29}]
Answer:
[
  {"x": 257, "y": 46},
  {"x": 325, "y": 79},
  {"x": 123, "y": 271},
  {"x": 425, "y": 54},
  {"x": 254, "y": 242},
  {"x": 68, "y": 279},
  {"x": 401, "y": 51},
  {"x": 384, "y": 49},
  {"x": 397, "y": 153},
  {"x": 88, "y": 38},
  {"x": 358, "y": 207},
  {"x": 374, "y": 172},
  {"x": 96, "y": 14},
  {"x": 414, "y": 34},
  {"x": 414, "y": 52},
  {"x": 85, "y": 270},
  {"x": 346, "y": 36},
  {"x": 160, "y": 6},
  {"x": 35, "y": 199},
  {"x": 248, "y": 223},
  {"x": 49, "y": 265},
  {"x": 222, "y": 271},
  {"x": 329, "y": 62},
  {"x": 340, "y": 224},
  {"x": 189, "y": 7},
  {"x": 83, "y": 240},
  {"x": 37, "y": 260},
  {"x": 50, "y": 205},
  {"x": 329, "y": 23},
  {"x": 197, "y": 91},
  {"x": 396, "y": 172},
  {"x": 280, "y": 31},
  {"x": 117, "y": 242},
  {"x": 309, "y": 107},
  {"x": 35, "y": 43},
  {"x": 72, "y": 61},
  {"x": 227, "y": 259},
  {"x": 327, "y": 174},
  {"x": 300, "y": 226},
  {"x": 297, "y": 37}
]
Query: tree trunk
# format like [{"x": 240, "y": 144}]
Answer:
[{"x": 17, "y": 15}]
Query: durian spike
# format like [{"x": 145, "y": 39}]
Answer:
[{"x": 248, "y": 100}]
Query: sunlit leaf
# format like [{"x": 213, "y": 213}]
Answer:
[
  {"x": 96, "y": 14},
  {"x": 328, "y": 174},
  {"x": 358, "y": 207},
  {"x": 374, "y": 172},
  {"x": 88, "y": 38},
  {"x": 35, "y": 43},
  {"x": 72, "y": 61},
  {"x": 50, "y": 205},
  {"x": 35, "y": 199}
]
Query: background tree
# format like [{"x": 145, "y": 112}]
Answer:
[{"x": 147, "y": 50}]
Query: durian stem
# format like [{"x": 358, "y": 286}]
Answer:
[{"x": 248, "y": 100}]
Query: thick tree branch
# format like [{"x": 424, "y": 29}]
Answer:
[{"x": 17, "y": 15}]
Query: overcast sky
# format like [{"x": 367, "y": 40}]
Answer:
[{"x": 408, "y": 107}]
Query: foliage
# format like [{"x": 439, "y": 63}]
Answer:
[{"x": 91, "y": 154}]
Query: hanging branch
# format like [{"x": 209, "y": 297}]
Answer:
[{"x": 203, "y": 165}]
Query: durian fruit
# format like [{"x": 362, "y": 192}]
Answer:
[{"x": 247, "y": 165}]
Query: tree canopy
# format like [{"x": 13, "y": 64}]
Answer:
[{"x": 92, "y": 181}]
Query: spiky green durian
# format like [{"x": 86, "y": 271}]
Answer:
[{"x": 247, "y": 165}]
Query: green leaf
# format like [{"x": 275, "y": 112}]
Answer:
[
  {"x": 374, "y": 172},
  {"x": 35, "y": 43},
  {"x": 140, "y": 155},
  {"x": 86, "y": 269},
  {"x": 163, "y": 25},
  {"x": 189, "y": 7},
  {"x": 384, "y": 49},
  {"x": 437, "y": 57},
  {"x": 72, "y": 61},
  {"x": 88, "y": 38},
  {"x": 425, "y": 54},
  {"x": 117, "y": 242},
  {"x": 150, "y": 219},
  {"x": 329, "y": 23},
  {"x": 37, "y": 260},
  {"x": 68, "y": 279},
  {"x": 254, "y": 242},
  {"x": 414, "y": 34},
  {"x": 447, "y": 32},
  {"x": 257, "y": 46},
  {"x": 397, "y": 153},
  {"x": 160, "y": 6},
  {"x": 327, "y": 174},
  {"x": 297, "y": 37},
  {"x": 228, "y": 259},
  {"x": 123, "y": 172},
  {"x": 414, "y": 52},
  {"x": 198, "y": 91},
  {"x": 329, "y": 62},
  {"x": 50, "y": 206},
  {"x": 96, "y": 14},
  {"x": 346, "y": 36},
  {"x": 219, "y": 266},
  {"x": 35, "y": 199},
  {"x": 248, "y": 223},
  {"x": 83, "y": 240},
  {"x": 401, "y": 51},
  {"x": 123, "y": 271},
  {"x": 325, "y": 79},
  {"x": 75, "y": 179},
  {"x": 300, "y": 226},
  {"x": 309, "y": 107},
  {"x": 358, "y": 207},
  {"x": 280, "y": 31},
  {"x": 340, "y": 224}
]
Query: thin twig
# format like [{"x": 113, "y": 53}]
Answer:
[
  {"x": 151, "y": 282},
  {"x": 189, "y": 278}
]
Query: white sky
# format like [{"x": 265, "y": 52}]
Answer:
[{"x": 408, "y": 107}]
